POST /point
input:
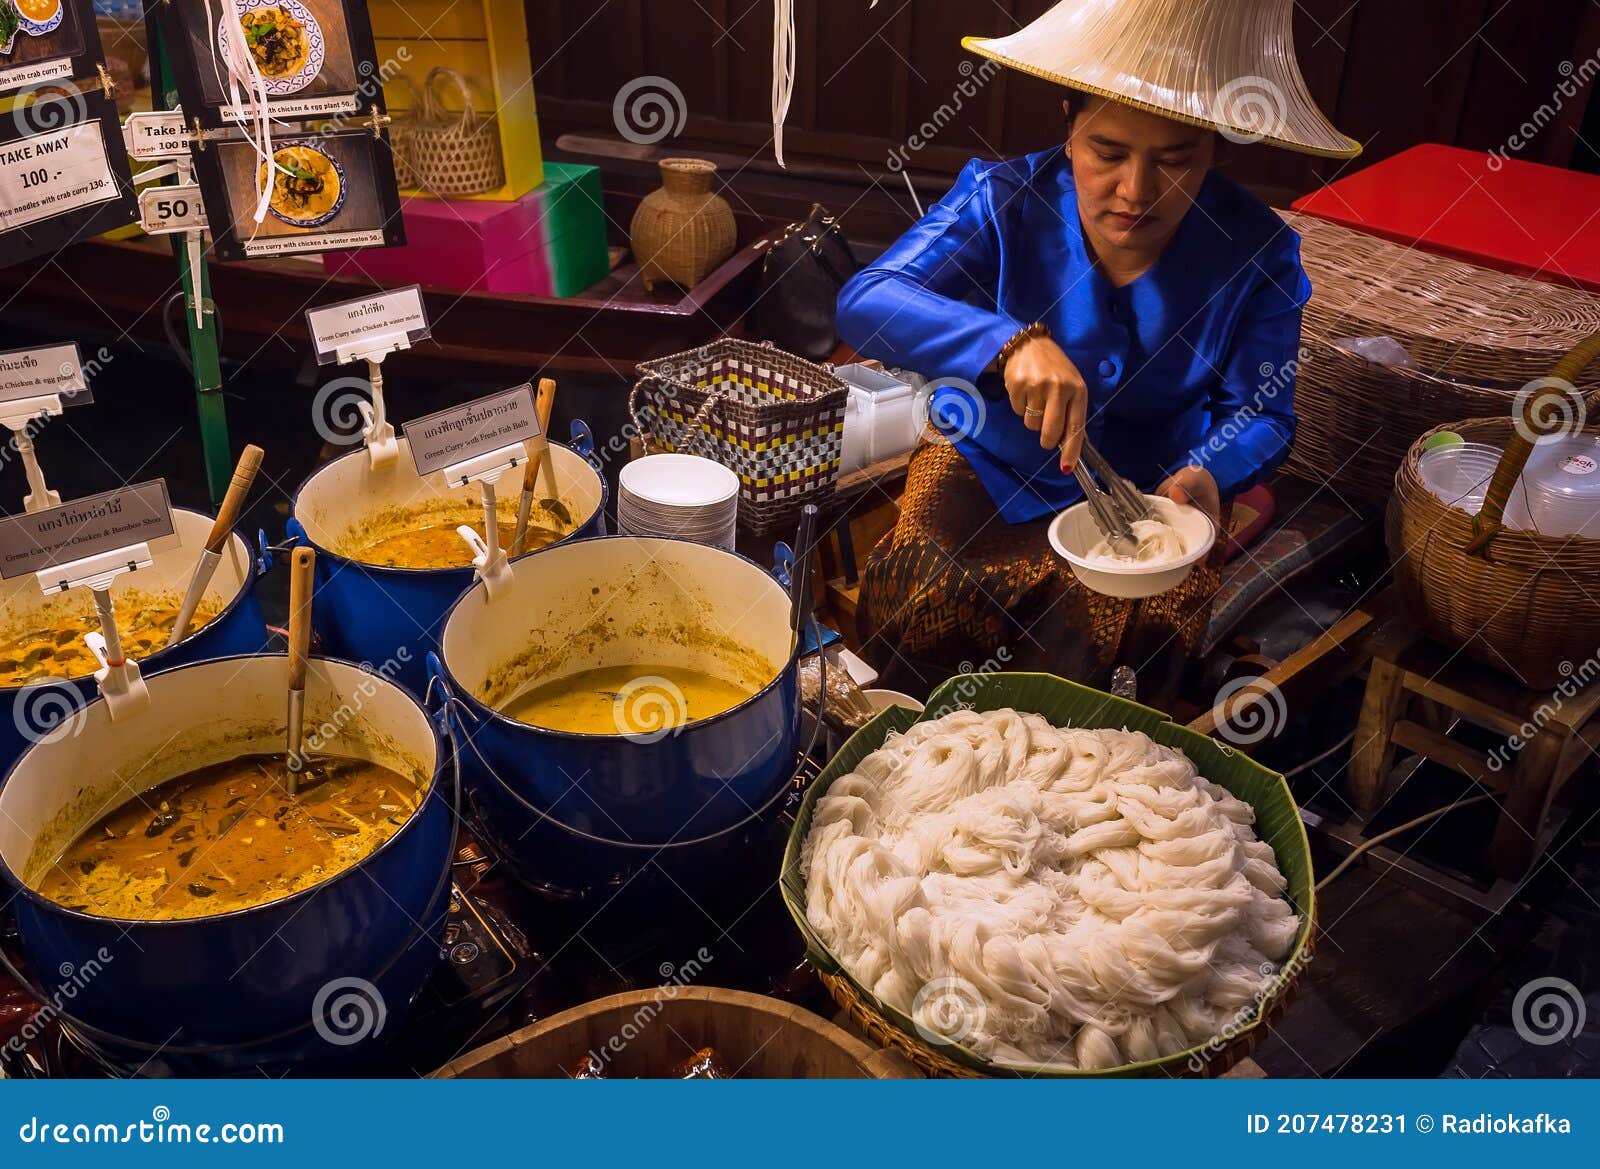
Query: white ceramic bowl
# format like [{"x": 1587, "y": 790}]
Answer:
[{"x": 1073, "y": 533}]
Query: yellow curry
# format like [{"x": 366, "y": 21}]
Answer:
[
  {"x": 276, "y": 40},
  {"x": 437, "y": 544},
  {"x": 57, "y": 649},
  {"x": 305, "y": 185},
  {"x": 638, "y": 700},
  {"x": 229, "y": 837}
]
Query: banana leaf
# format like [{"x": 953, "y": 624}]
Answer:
[{"x": 1067, "y": 704}]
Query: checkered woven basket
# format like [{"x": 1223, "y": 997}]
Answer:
[{"x": 774, "y": 419}]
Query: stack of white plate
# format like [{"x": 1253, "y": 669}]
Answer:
[
  {"x": 1563, "y": 486},
  {"x": 682, "y": 496}
]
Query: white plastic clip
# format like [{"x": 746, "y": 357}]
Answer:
[
  {"x": 121, "y": 684},
  {"x": 493, "y": 569},
  {"x": 383, "y": 447},
  {"x": 20, "y": 415}
]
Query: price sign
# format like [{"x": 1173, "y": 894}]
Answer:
[
  {"x": 53, "y": 173},
  {"x": 164, "y": 210},
  {"x": 51, "y": 369},
  {"x": 156, "y": 134},
  {"x": 453, "y": 436},
  {"x": 353, "y": 327},
  {"x": 84, "y": 528}
]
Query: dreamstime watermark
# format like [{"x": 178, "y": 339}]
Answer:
[
  {"x": 355, "y": 702},
  {"x": 74, "y": 979},
  {"x": 160, "y": 1129},
  {"x": 948, "y": 1010},
  {"x": 369, "y": 87},
  {"x": 39, "y": 109},
  {"x": 1548, "y": 407},
  {"x": 959, "y": 416},
  {"x": 348, "y": 1011},
  {"x": 1250, "y": 108},
  {"x": 1575, "y": 78},
  {"x": 674, "y": 979},
  {"x": 972, "y": 676},
  {"x": 648, "y": 110},
  {"x": 1246, "y": 1016},
  {"x": 1549, "y": 1010},
  {"x": 972, "y": 83},
  {"x": 1253, "y": 710},
  {"x": 340, "y": 409},
  {"x": 1574, "y": 679},
  {"x": 48, "y": 711},
  {"x": 649, "y": 708},
  {"x": 1276, "y": 380}
]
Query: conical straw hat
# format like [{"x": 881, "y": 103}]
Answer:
[{"x": 1225, "y": 64}]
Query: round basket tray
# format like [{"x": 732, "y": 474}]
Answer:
[
  {"x": 1067, "y": 704},
  {"x": 1524, "y": 608},
  {"x": 1208, "y": 1062}
]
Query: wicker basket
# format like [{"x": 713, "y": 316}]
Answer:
[
  {"x": 1068, "y": 704},
  {"x": 1515, "y": 600},
  {"x": 1477, "y": 337},
  {"x": 448, "y": 154},
  {"x": 400, "y": 135},
  {"x": 775, "y": 420}
]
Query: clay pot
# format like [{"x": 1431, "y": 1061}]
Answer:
[{"x": 682, "y": 232}]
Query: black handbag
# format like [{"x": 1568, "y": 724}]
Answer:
[{"x": 800, "y": 282}]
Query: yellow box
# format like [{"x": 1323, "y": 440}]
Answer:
[{"x": 487, "y": 42}]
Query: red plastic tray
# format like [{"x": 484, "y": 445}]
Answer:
[{"x": 1519, "y": 217}]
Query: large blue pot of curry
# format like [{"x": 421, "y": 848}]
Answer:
[
  {"x": 46, "y": 669},
  {"x": 187, "y": 916},
  {"x": 637, "y": 690},
  {"x": 389, "y": 561}
]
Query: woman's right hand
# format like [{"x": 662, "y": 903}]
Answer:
[{"x": 1048, "y": 392}]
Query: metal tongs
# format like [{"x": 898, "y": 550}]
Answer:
[{"x": 1115, "y": 509}]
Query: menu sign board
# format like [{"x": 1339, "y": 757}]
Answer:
[
  {"x": 171, "y": 207},
  {"x": 85, "y": 527},
  {"x": 315, "y": 58},
  {"x": 350, "y": 325},
  {"x": 150, "y": 134},
  {"x": 460, "y": 433},
  {"x": 63, "y": 174},
  {"x": 51, "y": 369},
  {"x": 329, "y": 192},
  {"x": 44, "y": 41}
]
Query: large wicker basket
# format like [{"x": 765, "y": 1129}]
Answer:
[
  {"x": 1515, "y": 600},
  {"x": 447, "y": 154},
  {"x": 1477, "y": 337},
  {"x": 774, "y": 419},
  {"x": 1068, "y": 704}
]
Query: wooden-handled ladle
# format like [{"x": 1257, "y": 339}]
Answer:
[
  {"x": 244, "y": 475},
  {"x": 544, "y": 464},
  {"x": 302, "y": 568}
]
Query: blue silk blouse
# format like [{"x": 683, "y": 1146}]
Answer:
[{"x": 1192, "y": 363}]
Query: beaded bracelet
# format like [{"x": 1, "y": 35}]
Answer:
[{"x": 1021, "y": 338}]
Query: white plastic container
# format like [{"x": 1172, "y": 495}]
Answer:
[
  {"x": 878, "y": 417},
  {"x": 1562, "y": 483}
]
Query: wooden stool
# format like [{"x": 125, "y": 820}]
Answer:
[{"x": 1412, "y": 689}]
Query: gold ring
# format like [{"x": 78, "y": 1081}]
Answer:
[{"x": 1030, "y": 412}]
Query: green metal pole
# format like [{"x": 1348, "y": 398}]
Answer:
[{"x": 203, "y": 346}]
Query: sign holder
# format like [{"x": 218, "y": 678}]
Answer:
[
  {"x": 490, "y": 560},
  {"x": 118, "y": 677},
  {"x": 19, "y": 416},
  {"x": 383, "y": 447}
]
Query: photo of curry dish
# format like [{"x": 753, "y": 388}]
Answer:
[
  {"x": 277, "y": 41},
  {"x": 57, "y": 649},
  {"x": 228, "y": 837},
  {"x": 307, "y": 185}
]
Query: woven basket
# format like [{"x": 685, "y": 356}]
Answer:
[
  {"x": 775, "y": 420},
  {"x": 1477, "y": 337},
  {"x": 1515, "y": 600},
  {"x": 1067, "y": 704},
  {"x": 400, "y": 135},
  {"x": 448, "y": 154}
]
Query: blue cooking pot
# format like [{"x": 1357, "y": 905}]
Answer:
[
  {"x": 640, "y": 603},
  {"x": 393, "y": 616},
  {"x": 38, "y": 710},
  {"x": 306, "y": 982}
]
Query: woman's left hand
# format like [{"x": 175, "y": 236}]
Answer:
[{"x": 1195, "y": 486}]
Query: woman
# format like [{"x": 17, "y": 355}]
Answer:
[{"x": 1117, "y": 289}]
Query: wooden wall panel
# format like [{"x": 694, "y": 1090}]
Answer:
[{"x": 1391, "y": 73}]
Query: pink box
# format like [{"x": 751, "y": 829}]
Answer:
[{"x": 550, "y": 242}]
